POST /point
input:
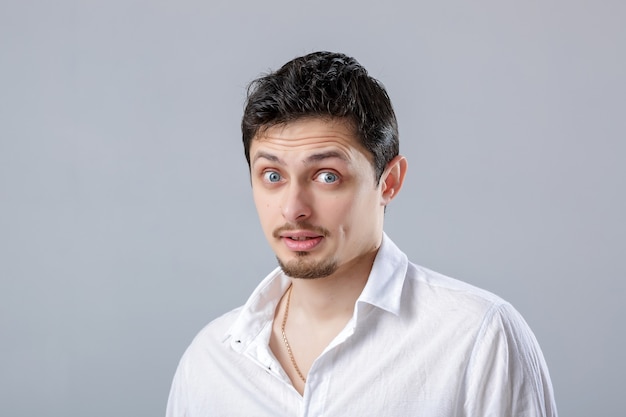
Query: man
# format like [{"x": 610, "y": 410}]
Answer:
[{"x": 346, "y": 325}]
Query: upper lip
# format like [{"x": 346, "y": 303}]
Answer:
[{"x": 299, "y": 234}]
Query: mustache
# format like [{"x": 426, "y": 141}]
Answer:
[{"x": 300, "y": 226}]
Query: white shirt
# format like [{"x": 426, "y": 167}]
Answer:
[{"x": 418, "y": 344}]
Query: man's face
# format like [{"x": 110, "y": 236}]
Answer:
[{"x": 315, "y": 191}]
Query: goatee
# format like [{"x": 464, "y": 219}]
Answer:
[{"x": 302, "y": 268}]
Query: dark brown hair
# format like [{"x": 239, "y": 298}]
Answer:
[{"x": 324, "y": 84}]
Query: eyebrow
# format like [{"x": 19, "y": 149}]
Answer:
[
  {"x": 316, "y": 157},
  {"x": 268, "y": 156}
]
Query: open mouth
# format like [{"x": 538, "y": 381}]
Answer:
[{"x": 302, "y": 243}]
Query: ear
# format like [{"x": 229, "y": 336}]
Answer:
[{"x": 393, "y": 178}]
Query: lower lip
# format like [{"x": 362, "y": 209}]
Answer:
[{"x": 302, "y": 245}]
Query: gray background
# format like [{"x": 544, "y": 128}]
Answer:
[{"x": 126, "y": 221}]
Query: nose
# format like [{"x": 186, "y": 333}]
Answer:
[{"x": 296, "y": 203}]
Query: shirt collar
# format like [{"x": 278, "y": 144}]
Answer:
[
  {"x": 259, "y": 309},
  {"x": 383, "y": 290},
  {"x": 384, "y": 285}
]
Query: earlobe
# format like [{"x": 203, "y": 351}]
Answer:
[{"x": 393, "y": 178}]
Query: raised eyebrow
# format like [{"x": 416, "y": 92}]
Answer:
[
  {"x": 268, "y": 156},
  {"x": 316, "y": 157}
]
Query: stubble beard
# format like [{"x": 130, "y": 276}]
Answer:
[{"x": 301, "y": 267}]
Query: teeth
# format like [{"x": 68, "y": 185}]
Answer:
[{"x": 298, "y": 238}]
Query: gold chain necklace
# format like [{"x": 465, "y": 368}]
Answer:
[{"x": 282, "y": 329}]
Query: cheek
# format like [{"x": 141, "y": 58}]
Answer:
[
  {"x": 340, "y": 210},
  {"x": 264, "y": 207},
  {"x": 364, "y": 208},
  {"x": 261, "y": 199}
]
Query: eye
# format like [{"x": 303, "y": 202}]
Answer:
[
  {"x": 327, "y": 177},
  {"x": 271, "y": 176}
]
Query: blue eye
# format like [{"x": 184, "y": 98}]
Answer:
[
  {"x": 271, "y": 176},
  {"x": 328, "y": 177}
]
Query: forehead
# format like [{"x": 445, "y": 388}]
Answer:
[{"x": 310, "y": 134}]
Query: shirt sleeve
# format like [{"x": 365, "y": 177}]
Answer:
[
  {"x": 176, "y": 403},
  {"x": 507, "y": 374}
]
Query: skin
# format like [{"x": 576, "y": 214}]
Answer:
[{"x": 322, "y": 213}]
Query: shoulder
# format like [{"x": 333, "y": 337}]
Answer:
[
  {"x": 505, "y": 362},
  {"x": 449, "y": 298},
  {"x": 216, "y": 331},
  {"x": 444, "y": 293},
  {"x": 396, "y": 276},
  {"x": 211, "y": 341}
]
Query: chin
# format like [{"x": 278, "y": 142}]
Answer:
[{"x": 300, "y": 267}]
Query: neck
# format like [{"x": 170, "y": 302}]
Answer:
[{"x": 331, "y": 297}]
